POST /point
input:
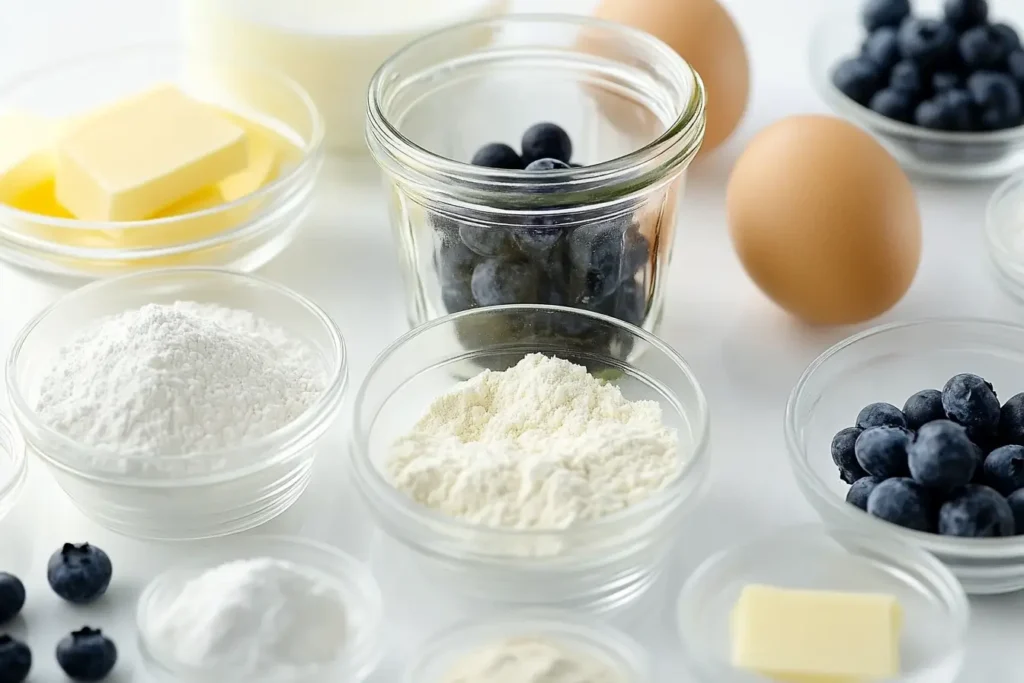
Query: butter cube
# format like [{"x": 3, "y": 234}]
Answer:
[
  {"x": 26, "y": 154},
  {"x": 134, "y": 159},
  {"x": 264, "y": 161},
  {"x": 806, "y": 636}
]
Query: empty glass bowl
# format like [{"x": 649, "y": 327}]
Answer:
[
  {"x": 839, "y": 35},
  {"x": 935, "y": 609},
  {"x": 890, "y": 363}
]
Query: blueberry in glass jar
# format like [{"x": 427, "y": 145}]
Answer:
[
  {"x": 546, "y": 141},
  {"x": 984, "y": 47},
  {"x": 547, "y": 164},
  {"x": 497, "y": 155},
  {"x": 976, "y": 512},
  {"x": 845, "y": 456},
  {"x": 883, "y": 48},
  {"x": 893, "y": 104},
  {"x": 858, "y": 78},
  {"x": 904, "y": 502},
  {"x": 861, "y": 490},
  {"x": 878, "y": 14},
  {"x": 971, "y": 401},
  {"x": 880, "y": 415},
  {"x": 498, "y": 282},
  {"x": 882, "y": 451},
  {"x": 997, "y": 99},
  {"x": 929, "y": 42},
  {"x": 923, "y": 407},
  {"x": 941, "y": 457},
  {"x": 1004, "y": 469}
]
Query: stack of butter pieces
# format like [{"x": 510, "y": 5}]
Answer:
[{"x": 156, "y": 155}]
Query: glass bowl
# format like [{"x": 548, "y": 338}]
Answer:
[
  {"x": 1004, "y": 232},
  {"x": 597, "y": 566},
  {"x": 973, "y": 156},
  {"x": 597, "y": 237},
  {"x": 243, "y": 234},
  {"x": 13, "y": 466},
  {"x": 890, "y": 363},
  {"x": 935, "y": 609},
  {"x": 352, "y": 580},
  {"x": 189, "y": 496},
  {"x": 612, "y": 648}
]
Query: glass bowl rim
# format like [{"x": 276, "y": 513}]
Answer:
[
  {"x": 366, "y": 472},
  {"x": 999, "y": 250},
  {"x": 12, "y": 449},
  {"x": 820, "y": 496},
  {"x": 310, "y": 149},
  {"x": 687, "y": 127},
  {"x": 858, "y": 113},
  {"x": 942, "y": 582},
  {"x": 359, "y": 654},
  {"x": 598, "y": 635},
  {"x": 273, "y": 443}
]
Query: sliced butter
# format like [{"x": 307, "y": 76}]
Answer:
[
  {"x": 805, "y": 636},
  {"x": 135, "y": 159},
  {"x": 26, "y": 153}
]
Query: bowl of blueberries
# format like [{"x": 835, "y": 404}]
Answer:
[
  {"x": 940, "y": 83},
  {"x": 561, "y": 182},
  {"x": 915, "y": 431}
]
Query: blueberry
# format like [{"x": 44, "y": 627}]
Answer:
[
  {"x": 946, "y": 80},
  {"x": 628, "y": 303},
  {"x": 997, "y": 98},
  {"x": 12, "y": 597},
  {"x": 950, "y": 110},
  {"x": 881, "y": 13},
  {"x": 1011, "y": 421},
  {"x": 1008, "y": 35},
  {"x": 1004, "y": 469},
  {"x": 546, "y": 141},
  {"x": 923, "y": 407},
  {"x": 1015, "y": 66},
  {"x": 598, "y": 253},
  {"x": 963, "y": 14},
  {"x": 457, "y": 296},
  {"x": 970, "y": 401},
  {"x": 547, "y": 165},
  {"x": 497, "y": 155},
  {"x": 882, "y": 451},
  {"x": 861, "y": 490},
  {"x": 906, "y": 77},
  {"x": 15, "y": 660},
  {"x": 1016, "y": 502},
  {"x": 984, "y": 47},
  {"x": 941, "y": 457},
  {"x": 880, "y": 415},
  {"x": 496, "y": 282},
  {"x": 903, "y": 502},
  {"x": 486, "y": 240},
  {"x": 79, "y": 573},
  {"x": 928, "y": 42},
  {"x": 537, "y": 240},
  {"x": 858, "y": 78},
  {"x": 844, "y": 456},
  {"x": 882, "y": 47},
  {"x": 454, "y": 261},
  {"x": 86, "y": 655},
  {"x": 976, "y": 512},
  {"x": 893, "y": 104}
]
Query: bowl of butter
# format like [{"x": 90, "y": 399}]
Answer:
[
  {"x": 812, "y": 604},
  {"x": 141, "y": 158}
]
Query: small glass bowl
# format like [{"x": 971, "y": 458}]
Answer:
[
  {"x": 599, "y": 566},
  {"x": 614, "y": 649},
  {"x": 180, "y": 497},
  {"x": 1004, "y": 232},
  {"x": 348, "y": 576},
  {"x": 972, "y": 156},
  {"x": 890, "y": 363},
  {"x": 13, "y": 466},
  {"x": 597, "y": 237},
  {"x": 243, "y": 234},
  {"x": 935, "y": 608}
]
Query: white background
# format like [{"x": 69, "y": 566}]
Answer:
[{"x": 746, "y": 352}]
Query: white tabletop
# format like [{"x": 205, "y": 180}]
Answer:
[{"x": 746, "y": 352}]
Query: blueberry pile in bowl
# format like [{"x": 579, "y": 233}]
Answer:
[
  {"x": 597, "y": 265},
  {"x": 962, "y": 72},
  {"x": 951, "y": 462}
]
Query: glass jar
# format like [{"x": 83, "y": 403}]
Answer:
[{"x": 597, "y": 235}]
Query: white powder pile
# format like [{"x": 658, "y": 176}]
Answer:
[
  {"x": 178, "y": 379},
  {"x": 529, "y": 660},
  {"x": 542, "y": 445},
  {"x": 259, "y": 618}
]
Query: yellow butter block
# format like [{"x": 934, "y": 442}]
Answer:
[
  {"x": 806, "y": 636},
  {"x": 26, "y": 153},
  {"x": 265, "y": 153},
  {"x": 40, "y": 200},
  {"x": 135, "y": 159}
]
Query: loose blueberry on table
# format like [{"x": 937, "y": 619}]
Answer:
[
  {"x": 958, "y": 72},
  {"x": 12, "y": 597},
  {"x": 950, "y": 462},
  {"x": 15, "y": 660},
  {"x": 86, "y": 655},
  {"x": 79, "y": 573},
  {"x": 594, "y": 266}
]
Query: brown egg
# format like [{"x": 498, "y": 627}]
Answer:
[
  {"x": 824, "y": 220},
  {"x": 706, "y": 37}
]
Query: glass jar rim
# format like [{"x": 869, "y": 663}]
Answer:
[{"x": 465, "y": 184}]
